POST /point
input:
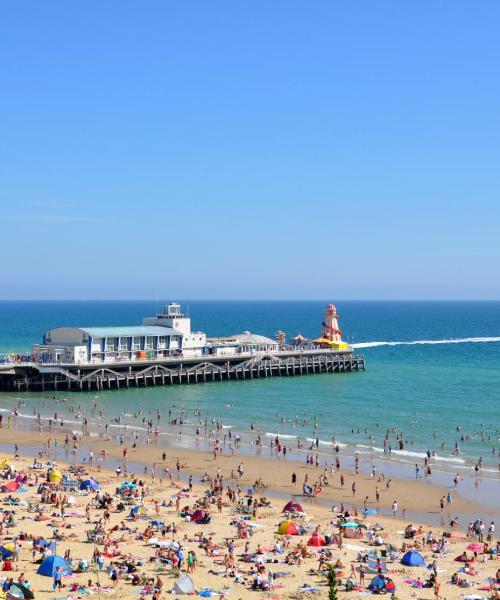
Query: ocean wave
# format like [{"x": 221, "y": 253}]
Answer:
[
  {"x": 281, "y": 435},
  {"x": 470, "y": 340},
  {"x": 409, "y": 453},
  {"x": 327, "y": 443},
  {"x": 449, "y": 459}
]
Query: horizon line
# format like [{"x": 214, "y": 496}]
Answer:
[{"x": 250, "y": 299}]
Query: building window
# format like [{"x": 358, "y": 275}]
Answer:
[
  {"x": 137, "y": 343},
  {"x": 111, "y": 344},
  {"x": 124, "y": 343}
]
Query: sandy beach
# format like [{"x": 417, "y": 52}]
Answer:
[{"x": 167, "y": 497}]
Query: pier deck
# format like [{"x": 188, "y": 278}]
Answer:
[{"x": 32, "y": 376}]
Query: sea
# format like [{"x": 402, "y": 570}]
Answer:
[{"x": 432, "y": 376}]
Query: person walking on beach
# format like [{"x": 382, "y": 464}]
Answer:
[
  {"x": 57, "y": 579},
  {"x": 394, "y": 508},
  {"x": 362, "y": 571},
  {"x": 353, "y": 487},
  {"x": 294, "y": 478}
]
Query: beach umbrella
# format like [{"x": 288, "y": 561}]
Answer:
[
  {"x": 55, "y": 476},
  {"x": 50, "y": 564},
  {"x": 7, "y": 551},
  {"x": 292, "y": 506},
  {"x": 369, "y": 511},
  {"x": 316, "y": 540},
  {"x": 90, "y": 484},
  {"x": 288, "y": 527},
  {"x": 127, "y": 486},
  {"x": 413, "y": 559}
]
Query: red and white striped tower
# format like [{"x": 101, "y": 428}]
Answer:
[{"x": 331, "y": 329}]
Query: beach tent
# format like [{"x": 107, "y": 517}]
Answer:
[
  {"x": 369, "y": 511},
  {"x": 377, "y": 584},
  {"x": 137, "y": 510},
  {"x": 6, "y": 551},
  {"x": 353, "y": 534},
  {"x": 351, "y": 530},
  {"x": 10, "y": 486},
  {"x": 50, "y": 564},
  {"x": 413, "y": 559},
  {"x": 184, "y": 585},
  {"x": 90, "y": 484},
  {"x": 55, "y": 476},
  {"x": 292, "y": 506},
  {"x": 199, "y": 516},
  {"x": 316, "y": 540},
  {"x": 156, "y": 524},
  {"x": 288, "y": 527}
]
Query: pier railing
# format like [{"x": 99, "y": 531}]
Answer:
[{"x": 290, "y": 350}]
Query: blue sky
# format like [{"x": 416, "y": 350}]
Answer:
[{"x": 250, "y": 149}]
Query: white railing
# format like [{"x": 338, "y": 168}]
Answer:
[{"x": 288, "y": 351}]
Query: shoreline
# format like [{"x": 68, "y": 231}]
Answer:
[{"x": 420, "y": 498}]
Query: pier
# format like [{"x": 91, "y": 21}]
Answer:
[{"x": 75, "y": 377}]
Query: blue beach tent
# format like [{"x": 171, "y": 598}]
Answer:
[
  {"x": 50, "y": 564},
  {"x": 5, "y": 553},
  {"x": 413, "y": 559},
  {"x": 370, "y": 511},
  {"x": 90, "y": 484},
  {"x": 377, "y": 584}
]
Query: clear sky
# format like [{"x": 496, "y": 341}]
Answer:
[{"x": 237, "y": 149}]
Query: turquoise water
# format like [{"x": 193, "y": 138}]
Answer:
[{"x": 418, "y": 389}]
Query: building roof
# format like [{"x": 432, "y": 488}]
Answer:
[
  {"x": 245, "y": 338},
  {"x": 136, "y": 330}
]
